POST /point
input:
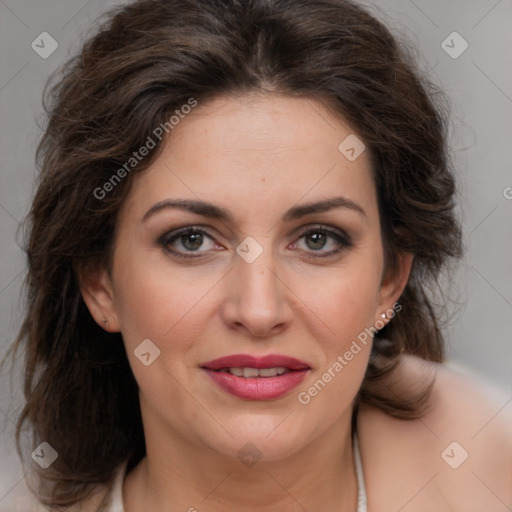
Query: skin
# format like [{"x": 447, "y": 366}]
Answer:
[{"x": 261, "y": 154}]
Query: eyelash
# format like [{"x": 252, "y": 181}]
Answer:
[{"x": 341, "y": 238}]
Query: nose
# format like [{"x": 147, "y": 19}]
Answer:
[{"x": 257, "y": 297}]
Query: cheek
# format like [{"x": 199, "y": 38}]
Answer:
[
  {"x": 347, "y": 309},
  {"x": 153, "y": 302},
  {"x": 347, "y": 300},
  {"x": 167, "y": 310},
  {"x": 140, "y": 306}
]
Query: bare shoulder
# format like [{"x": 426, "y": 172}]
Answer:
[
  {"x": 458, "y": 455},
  {"x": 459, "y": 401}
]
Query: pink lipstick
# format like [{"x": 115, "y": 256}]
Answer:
[{"x": 257, "y": 378}]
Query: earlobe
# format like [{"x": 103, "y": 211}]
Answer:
[{"x": 98, "y": 294}]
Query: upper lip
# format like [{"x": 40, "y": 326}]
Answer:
[{"x": 248, "y": 361}]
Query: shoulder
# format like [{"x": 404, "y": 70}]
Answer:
[{"x": 458, "y": 455}]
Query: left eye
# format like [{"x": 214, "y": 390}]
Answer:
[{"x": 318, "y": 238}]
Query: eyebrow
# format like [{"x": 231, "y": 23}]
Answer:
[{"x": 216, "y": 212}]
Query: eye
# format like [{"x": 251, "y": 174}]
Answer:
[
  {"x": 320, "y": 238},
  {"x": 185, "y": 242},
  {"x": 188, "y": 240}
]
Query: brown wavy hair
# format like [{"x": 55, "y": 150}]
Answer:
[{"x": 142, "y": 63}]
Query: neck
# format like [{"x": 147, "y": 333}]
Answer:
[{"x": 185, "y": 476}]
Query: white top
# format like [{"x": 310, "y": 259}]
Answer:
[
  {"x": 116, "y": 503},
  {"x": 361, "y": 488}
]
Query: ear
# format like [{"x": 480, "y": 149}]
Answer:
[
  {"x": 98, "y": 294},
  {"x": 393, "y": 284}
]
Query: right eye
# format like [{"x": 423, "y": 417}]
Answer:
[{"x": 187, "y": 240}]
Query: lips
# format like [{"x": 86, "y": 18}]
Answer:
[
  {"x": 257, "y": 378},
  {"x": 247, "y": 361}
]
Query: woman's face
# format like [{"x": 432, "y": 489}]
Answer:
[{"x": 276, "y": 276}]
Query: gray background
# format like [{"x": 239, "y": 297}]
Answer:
[{"x": 478, "y": 83}]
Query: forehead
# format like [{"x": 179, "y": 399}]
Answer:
[
  {"x": 246, "y": 149},
  {"x": 266, "y": 126}
]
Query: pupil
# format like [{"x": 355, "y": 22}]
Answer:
[
  {"x": 318, "y": 239},
  {"x": 197, "y": 240}
]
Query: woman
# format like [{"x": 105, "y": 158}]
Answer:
[{"x": 242, "y": 209}]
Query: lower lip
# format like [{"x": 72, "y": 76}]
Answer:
[{"x": 257, "y": 388}]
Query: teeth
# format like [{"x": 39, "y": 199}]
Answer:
[
  {"x": 271, "y": 372},
  {"x": 249, "y": 373}
]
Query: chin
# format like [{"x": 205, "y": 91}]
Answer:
[{"x": 264, "y": 438}]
